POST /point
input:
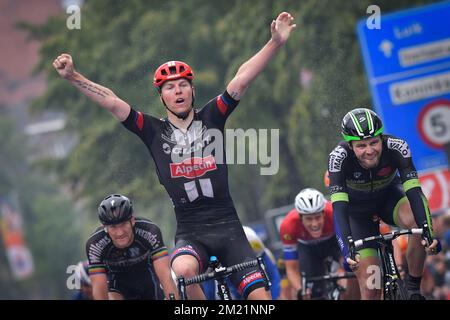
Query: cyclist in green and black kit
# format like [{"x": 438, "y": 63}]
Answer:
[{"x": 372, "y": 177}]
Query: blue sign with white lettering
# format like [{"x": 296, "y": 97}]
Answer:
[{"x": 407, "y": 61}]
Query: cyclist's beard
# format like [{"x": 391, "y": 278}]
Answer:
[{"x": 370, "y": 164}]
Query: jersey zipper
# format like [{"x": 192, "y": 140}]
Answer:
[{"x": 371, "y": 180}]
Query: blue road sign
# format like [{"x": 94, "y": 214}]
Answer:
[{"x": 407, "y": 62}]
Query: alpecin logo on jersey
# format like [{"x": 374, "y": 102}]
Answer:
[{"x": 193, "y": 167}]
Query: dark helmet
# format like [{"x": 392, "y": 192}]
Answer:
[
  {"x": 361, "y": 123},
  {"x": 115, "y": 209}
]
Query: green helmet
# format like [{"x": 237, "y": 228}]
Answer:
[{"x": 361, "y": 123}]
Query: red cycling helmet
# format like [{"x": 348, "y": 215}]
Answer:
[{"x": 170, "y": 71}]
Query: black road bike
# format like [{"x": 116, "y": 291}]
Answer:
[{"x": 393, "y": 286}]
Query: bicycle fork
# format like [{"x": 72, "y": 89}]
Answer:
[
  {"x": 222, "y": 289},
  {"x": 390, "y": 271},
  {"x": 182, "y": 288}
]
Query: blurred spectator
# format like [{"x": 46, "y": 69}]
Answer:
[
  {"x": 81, "y": 274},
  {"x": 439, "y": 266}
]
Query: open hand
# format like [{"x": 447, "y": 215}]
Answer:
[
  {"x": 281, "y": 28},
  {"x": 354, "y": 264},
  {"x": 432, "y": 248}
]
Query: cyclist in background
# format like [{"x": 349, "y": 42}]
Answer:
[
  {"x": 308, "y": 238},
  {"x": 127, "y": 256},
  {"x": 365, "y": 186}
]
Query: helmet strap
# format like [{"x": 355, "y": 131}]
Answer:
[{"x": 183, "y": 115}]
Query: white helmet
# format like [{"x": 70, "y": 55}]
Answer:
[{"x": 309, "y": 201}]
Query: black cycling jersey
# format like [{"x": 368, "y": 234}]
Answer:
[
  {"x": 134, "y": 262},
  {"x": 191, "y": 165},
  {"x": 358, "y": 192}
]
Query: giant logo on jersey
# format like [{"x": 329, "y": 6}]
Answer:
[
  {"x": 193, "y": 167},
  {"x": 337, "y": 156},
  {"x": 399, "y": 145},
  {"x": 178, "y": 142}
]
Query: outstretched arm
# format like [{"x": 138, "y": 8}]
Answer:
[
  {"x": 293, "y": 274},
  {"x": 280, "y": 29},
  {"x": 102, "y": 96},
  {"x": 99, "y": 286},
  {"x": 162, "y": 269}
]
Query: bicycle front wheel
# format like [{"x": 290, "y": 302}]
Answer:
[{"x": 396, "y": 291}]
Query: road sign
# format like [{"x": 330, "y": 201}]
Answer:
[
  {"x": 407, "y": 62},
  {"x": 273, "y": 218},
  {"x": 436, "y": 187},
  {"x": 434, "y": 123}
]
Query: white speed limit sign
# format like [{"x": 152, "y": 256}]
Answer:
[{"x": 434, "y": 123}]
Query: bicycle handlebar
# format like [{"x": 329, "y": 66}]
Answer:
[
  {"x": 385, "y": 237},
  {"x": 331, "y": 277},
  {"x": 221, "y": 271}
]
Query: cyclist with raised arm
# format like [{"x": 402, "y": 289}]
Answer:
[
  {"x": 372, "y": 176},
  {"x": 188, "y": 164},
  {"x": 127, "y": 256},
  {"x": 308, "y": 238}
]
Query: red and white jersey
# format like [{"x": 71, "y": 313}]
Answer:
[{"x": 292, "y": 231}]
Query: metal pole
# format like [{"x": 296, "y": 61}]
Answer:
[{"x": 447, "y": 152}]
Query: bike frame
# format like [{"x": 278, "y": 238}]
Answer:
[{"x": 391, "y": 276}]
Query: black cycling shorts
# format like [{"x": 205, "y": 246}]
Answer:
[
  {"x": 226, "y": 241},
  {"x": 364, "y": 218},
  {"x": 312, "y": 261}
]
